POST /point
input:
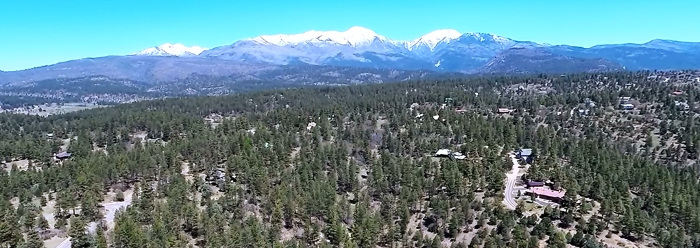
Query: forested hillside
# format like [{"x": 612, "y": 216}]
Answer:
[{"x": 353, "y": 166}]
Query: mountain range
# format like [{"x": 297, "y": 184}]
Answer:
[{"x": 440, "y": 51}]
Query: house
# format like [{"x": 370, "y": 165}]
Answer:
[
  {"x": 503, "y": 111},
  {"x": 310, "y": 125},
  {"x": 681, "y": 105},
  {"x": 677, "y": 93},
  {"x": 460, "y": 111},
  {"x": 627, "y": 106},
  {"x": 532, "y": 184},
  {"x": 625, "y": 99},
  {"x": 458, "y": 156},
  {"x": 443, "y": 153},
  {"x": 63, "y": 155},
  {"x": 526, "y": 155},
  {"x": 547, "y": 194}
]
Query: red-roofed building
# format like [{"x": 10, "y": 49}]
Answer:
[{"x": 544, "y": 193}]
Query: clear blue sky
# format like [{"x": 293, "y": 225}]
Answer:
[{"x": 36, "y": 33}]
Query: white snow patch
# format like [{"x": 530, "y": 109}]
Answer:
[
  {"x": 432, "y": 39},
  {"x": 354, "y": 36},
  {"x": 168, "y": 49}
]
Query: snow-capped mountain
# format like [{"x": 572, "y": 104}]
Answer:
[
  {"x": 426, "y": 44},
  {"x": 168, "y": 49},
  {"x": 356, "y": 46},
  {"x": 355, "y": 36},
  {"x": 469, "y": 51},
  {"x": 363, "y": 47}
]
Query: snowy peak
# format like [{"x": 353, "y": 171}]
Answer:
[
  {"x": 484, "y": 37},
  {"x": 354, "y": 36},
  {"x": 432, "y": 39},
  {"x": 168, "y": 49}
]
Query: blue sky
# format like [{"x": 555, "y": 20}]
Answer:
[{"x": 37, "y": 33}]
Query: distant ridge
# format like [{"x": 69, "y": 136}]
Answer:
[{"x": 441, "y": 51}]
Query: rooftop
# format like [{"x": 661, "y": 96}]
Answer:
[
  {"x": 525, "y": 152},
  {"x": 63, "y": 155},
  {"x": 548, "y": 192},
  {"x": 535, "y": 184},
  {"x": 443, "y": 152},
  {"x": 503, "y": 110}
]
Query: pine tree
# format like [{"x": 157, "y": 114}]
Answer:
[
  {"x": 89, "y": 207},
  {"x": 557, "y": 240},
  {"x": 41, "y": 222},
  {"x": 33, "y": 240},
  {"x": 77, "y": 232},
  {"x": 9, "y": 233},
  {"x": 127, "y": 233},
  {"x": 100, "y": 239},
  {"x": 119, "y": 195}
]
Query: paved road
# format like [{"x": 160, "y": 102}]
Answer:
[
  {"x": 110, "y": 211},
  {"x": 509, "y": 199},
  {"x": 65, "y": 244}
]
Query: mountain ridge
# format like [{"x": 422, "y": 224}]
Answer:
[
  {"x": 443, "y": 51},
  {"x": 521, "y": 60}
]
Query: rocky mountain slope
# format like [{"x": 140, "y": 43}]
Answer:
[{"x": 528, "y": 61}]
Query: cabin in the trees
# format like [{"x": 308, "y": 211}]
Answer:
[
  {"x": 625, "y": 99},
  {"x": 503, "y": 111},
  {"x": 533, "y": 184},
  {"x": 444, "y": 153},
  {"x": 525, "y": 155},
  {"x": 458, "y": 156},
  {"x": 627, "y": 106},
  {"x": 681, "y": 105},
  {"x": 547, "y": 194},
  {"x": 63, "y": 156},
  {"x": 447, "y": 153}
]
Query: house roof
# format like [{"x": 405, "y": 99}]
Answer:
[
  {"x": 548, "y": 192},
  {"x": 535, "y": 183},
  {"x": 503, "y": 110},
  {"x": 63, "y": 155},
  {"x": 443, "y": 152},
  {"x": 525, "y": 152}
]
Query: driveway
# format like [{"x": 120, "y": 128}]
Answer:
[
  {"x": 511, "y": 176},
  {"x": 110, "y": 211}
]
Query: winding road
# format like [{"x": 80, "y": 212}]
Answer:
[{"x": 511, "y": 177}]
